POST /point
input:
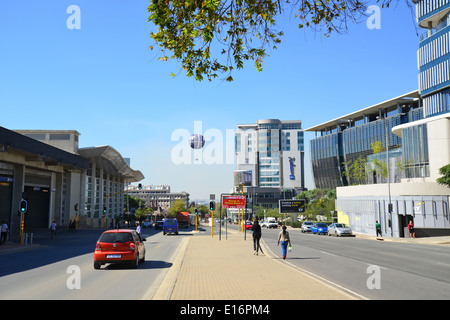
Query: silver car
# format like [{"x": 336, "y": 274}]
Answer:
[
  {"x": 306, "y": 226},
  {"x": 339, "y": 229}
]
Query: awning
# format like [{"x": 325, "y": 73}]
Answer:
[{"x": 110, "y": 160}]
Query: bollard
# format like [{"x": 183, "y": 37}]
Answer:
[
  {"x": 26, "y": 239},
  {"x": 31, "y": 239}
]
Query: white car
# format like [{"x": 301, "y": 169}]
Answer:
[
  {"x": 272, "y": 224},
  {"x": 339, "y": 229}
]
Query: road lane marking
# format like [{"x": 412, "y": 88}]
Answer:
[{"x": 315, "y": 276}]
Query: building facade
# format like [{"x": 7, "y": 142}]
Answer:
[
  {"x": 418, "y": 138},
  {"x": 272, "y": 151},
  {"x": 159, "y": 198},
  {"x": 60, "y": 181},
  {"x": 270, "y": 160},
  {"x": 433, "y": 56},
  {"x": 341, "y": 141}
]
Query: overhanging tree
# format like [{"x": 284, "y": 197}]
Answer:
[
  {"x": 215, "y": 37},
  {"x": 445, "y": 179}
]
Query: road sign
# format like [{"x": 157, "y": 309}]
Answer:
[
  {"x": 236, "y": 202},
  {"x": 291, "y": 206}
]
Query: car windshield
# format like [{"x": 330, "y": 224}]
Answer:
[
  {"x": 170, "y": 222},
  {"x": 307, "y": 223},
  {"x": 116, "y": 237},
  {"x": 322, "y": 225},
  {"x": 341, "y": 225}
]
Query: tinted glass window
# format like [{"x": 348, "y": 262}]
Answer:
[
  {"x": 170, "y": 222},
  {"x": 117, "y": 237}
]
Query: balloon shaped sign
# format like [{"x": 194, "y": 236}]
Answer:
[{"x": 196, "y": 141}]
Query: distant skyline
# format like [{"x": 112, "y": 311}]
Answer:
[{"x": 103, "y": 81}]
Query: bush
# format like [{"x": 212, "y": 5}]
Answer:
[{"x": 294, "y": 224}]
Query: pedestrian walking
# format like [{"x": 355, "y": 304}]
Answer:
[
  {"x": 53, "y": 229},
  {"x": 256, "y": 231},
  {"x": 284, "y": 239},
  {"x": 378, "y": 228},
  {"x": 412, "y": 232},
  {"x": 4, "y": 232},
  {"x": 138, "y": 229}
]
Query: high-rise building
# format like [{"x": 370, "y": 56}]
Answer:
[
  {"x": 416, "y": 143},
  {"x": 272, "y": 152},
  {"x": 433, "y": 56}
]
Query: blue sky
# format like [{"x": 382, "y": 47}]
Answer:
[{"x": 103, "y": 81}]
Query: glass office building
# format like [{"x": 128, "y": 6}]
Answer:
[
  {"x": 340, "y": 141},
  {"x": 272, "y": 151}
]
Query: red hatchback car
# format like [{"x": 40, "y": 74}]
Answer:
[{"x": 119, "y": 246}]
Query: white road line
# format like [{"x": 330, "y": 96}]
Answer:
[{"x": 331, "y": 283}]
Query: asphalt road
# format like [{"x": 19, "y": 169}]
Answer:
[
  {"x": 64, "y": 270},
  {"x": 369, "y": 268}
]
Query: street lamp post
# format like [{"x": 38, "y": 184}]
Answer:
[{"x": 390, "y": 208}]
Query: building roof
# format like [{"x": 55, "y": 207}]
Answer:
[
  {"x": 407, "y": 97},
  {"x": 35, "y": 150},
  {"x": 110, "y": 160}
]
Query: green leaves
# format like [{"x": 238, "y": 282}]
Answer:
[
  {"x": 214, "y": 37},
  {"x": 445, "y": 179}
]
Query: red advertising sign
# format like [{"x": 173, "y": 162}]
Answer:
[{"x": 233, "y": 202}]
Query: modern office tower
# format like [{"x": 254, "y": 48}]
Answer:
[
  {"x": 272, "y": 152},
  {"x": 418, "y": 146},
  {"x": 433, "y": 55}
]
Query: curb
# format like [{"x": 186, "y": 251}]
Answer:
[{"x": 167, "y": 285}]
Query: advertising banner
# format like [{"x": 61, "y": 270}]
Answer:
[{"x": 233, "y": 202}]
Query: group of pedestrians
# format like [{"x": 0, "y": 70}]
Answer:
[
  {"x": 283, "y": 239},
  {"x": 411, "y": 229}
]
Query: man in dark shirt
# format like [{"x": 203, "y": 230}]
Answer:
[{"x": 256, "y": 230}]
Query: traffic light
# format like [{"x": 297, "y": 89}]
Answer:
[
  {"x": 140, "y": 186},
  {"x": 23, "y": 206},
  {"x": 196, "y": 211},
  {"x": 104, "y": 209},
  {"x": 211, "y": 205},
  {"x": 390, "y": 208},
  {"x": 75, "y": 207}
]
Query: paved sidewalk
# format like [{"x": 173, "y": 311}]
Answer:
[{"x": 209, "y": 269}]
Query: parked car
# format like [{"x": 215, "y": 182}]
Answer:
[
  {"x": 339, "y": 229},
  {"x": 170, "y": 226},
  {"x": 319, "y": 228},
  {"x": 306, "y": 226},
  {"x": 119, "y": 246},
  {"x": 248, "y": 225}
]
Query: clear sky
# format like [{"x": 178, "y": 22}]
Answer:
[{"x": 103, "y": 81}]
